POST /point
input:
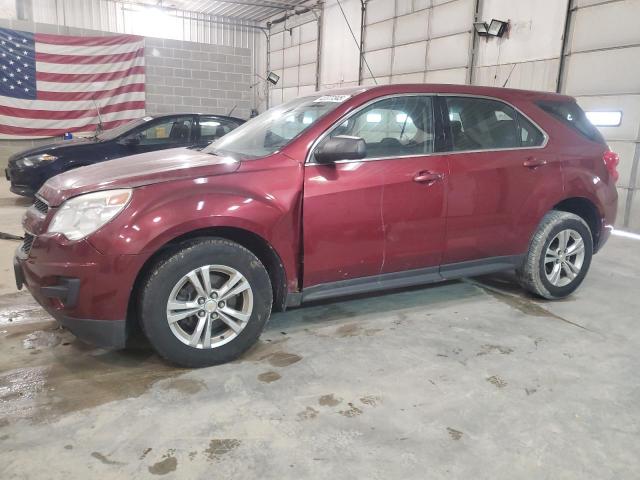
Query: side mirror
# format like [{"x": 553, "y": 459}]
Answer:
[{"x": 342, "y": 147}]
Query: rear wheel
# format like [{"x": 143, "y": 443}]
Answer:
[
  {"x": 559, "y": 256},
  {"x": 206, "y": 304}
]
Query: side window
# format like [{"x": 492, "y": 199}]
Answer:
[
  {"x": 393, "y": 127},
  {"x": 172, "y": 131},
  {"x": 212, "y": 128},
  {"x": 482, "y": 124},
  {"x": 530, "y": 135}
]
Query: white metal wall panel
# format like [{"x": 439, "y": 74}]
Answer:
[
  {"x": 379, "y": 61},
  {"x": 307, "y": 75},
  {"x": 629, "y": 105},
  {"x": 409, "y": 78},
  {"x": 379, "y": 35},
  {"x": 455, "y": 75},
  {"x": 540, "y": 75},
  {"x": 291, "y": 56},
  {"x": 608, "y": 25},
  {"x": 380, "y": 10},
  {"x": 626, "y": 151},
  {"x": 452, "y": 17},
  {"x": 409, "y": 58},
  {"x": 412, "y": 28},
  {"x": 449, "y": 52},
  {"x": 309, "y": 52},
  {"x": 609, "y": 71}
]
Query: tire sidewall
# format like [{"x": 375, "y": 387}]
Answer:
[
  {"x": 167, "y": 274},
  {"x": 579, "y": 226}
]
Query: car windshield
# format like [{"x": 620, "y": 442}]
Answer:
[
  {"x": 116, "y": 132},
  {"x": 275, "y": 128}
]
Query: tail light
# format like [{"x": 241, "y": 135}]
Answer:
[{"x": 611, "y": 160}]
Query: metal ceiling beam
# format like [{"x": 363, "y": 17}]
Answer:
[{"x": 266, "y": 4}]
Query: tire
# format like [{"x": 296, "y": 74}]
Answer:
[
  {"x": 558, "y": 232},
  {"x": 234, "y": 320}
]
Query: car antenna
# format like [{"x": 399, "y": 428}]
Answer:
[
  {"x": 99, "y": 127},
  {"x": 231, "y": 111}
]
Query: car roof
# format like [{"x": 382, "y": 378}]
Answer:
[
  {"x": 200, "y": 114},
  {"x": 444, "y": 88}
]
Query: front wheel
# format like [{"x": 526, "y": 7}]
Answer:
[
  {"x": 559, "y": 256},
  {"x": 206, "y": 304}
]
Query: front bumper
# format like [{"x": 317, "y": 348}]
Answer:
[
  {"x": 25, "y": 182},
  {"x": 84, "y": 290}
]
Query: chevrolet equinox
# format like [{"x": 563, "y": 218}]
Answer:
[{"x": 337, "y": 193}]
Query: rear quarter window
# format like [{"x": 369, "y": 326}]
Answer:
[{"x": 574, "y": 117}]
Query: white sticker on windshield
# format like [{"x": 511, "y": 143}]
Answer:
[
  {"x": 146, "y": 119},
  {"x": 332, "y": 98}
]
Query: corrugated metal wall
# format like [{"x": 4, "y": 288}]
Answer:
[
  {"x": 602, "y": 71},
  {"x": 125, "y": 17}
]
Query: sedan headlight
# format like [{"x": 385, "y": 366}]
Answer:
[
  {"x": 32, "y": 160},
  {"x": 83, "y": 215}
]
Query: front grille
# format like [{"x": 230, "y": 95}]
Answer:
[
  {"x": 27, "y": 243},
  {"x": 41, "y": 206}
]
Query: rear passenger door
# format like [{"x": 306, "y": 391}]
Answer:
[{"x": 499, "y": 169}]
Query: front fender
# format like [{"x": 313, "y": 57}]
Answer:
[{"x": 163, "y": 212}]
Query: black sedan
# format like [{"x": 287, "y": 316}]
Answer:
[{"x": 28, "y": 170}]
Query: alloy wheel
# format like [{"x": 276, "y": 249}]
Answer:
[
  {"x": 564, "y": 258},
  {"x": 209, "y": 306}
]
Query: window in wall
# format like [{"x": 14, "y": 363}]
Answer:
[
  {"x": 393, "y": 127},
  {"x": 482, "y": 124}
]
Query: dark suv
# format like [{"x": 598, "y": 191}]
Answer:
[
  {"x": 28, "y": 170},
  {"x": 338, "y": 193}
]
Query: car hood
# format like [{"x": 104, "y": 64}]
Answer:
[
  {"x": 135, "y": 171},
  {"x": 51, "y": 148}
]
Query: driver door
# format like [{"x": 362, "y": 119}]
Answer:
[{"x": 384, "y": 213}]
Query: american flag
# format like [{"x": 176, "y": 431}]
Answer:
[{"x": 53, "y": 84}]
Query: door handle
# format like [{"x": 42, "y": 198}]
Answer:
[
  {"x": 428, "y": 177},
  {"x": 533, "y": 162}
]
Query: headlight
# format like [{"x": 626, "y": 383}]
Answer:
[
  {"x": 83, "y": 215},
  {"x": 32, "y": 160}
]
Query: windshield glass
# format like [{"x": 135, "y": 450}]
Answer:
[
  {"x": 116, "y": 132},
  {"x": 275, "y": 128}
]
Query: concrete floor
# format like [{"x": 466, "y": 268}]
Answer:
[{"x": 470, "y": 379}]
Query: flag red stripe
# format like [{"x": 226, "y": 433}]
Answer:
[
  {"x": 71, "y": 96},
  {"x": 87, "y": 77},
  {"x": 53, "y": 132},
  {"x": 69, "y": 114},
  {"x": 88, "y": 59},
  {"x": 86, "y": 41}
]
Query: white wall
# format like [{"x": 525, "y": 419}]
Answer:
[
  {"x": 602, "y": 71},
  {"x": 528, "y": 55},
  {"x": 432, "y": 41}
]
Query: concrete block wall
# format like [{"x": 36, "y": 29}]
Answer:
[
  {"x": 197, "y": 77},
  {"x": 180, "y": 77}
]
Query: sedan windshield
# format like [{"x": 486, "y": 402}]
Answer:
[{"x": 275, "y": 128}]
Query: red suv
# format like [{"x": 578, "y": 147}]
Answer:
[{"x": 350, "y": 191}]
